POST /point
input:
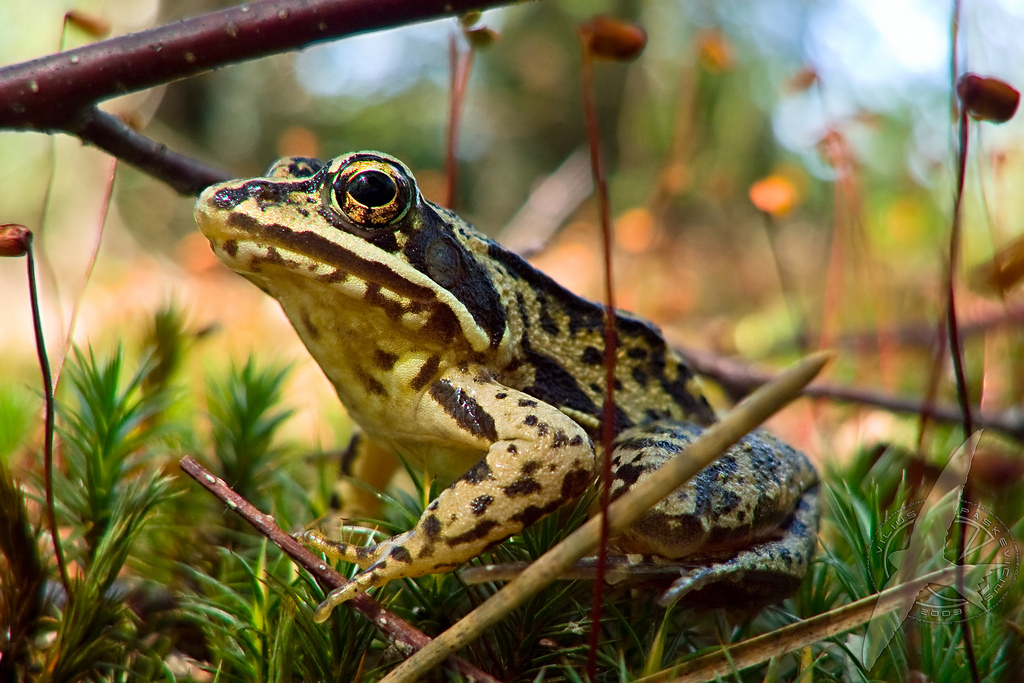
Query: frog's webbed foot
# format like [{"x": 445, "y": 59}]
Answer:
[{"x": 380, "y": 563}]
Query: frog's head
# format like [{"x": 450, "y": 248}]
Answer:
[{"x": 355, "y": 234}]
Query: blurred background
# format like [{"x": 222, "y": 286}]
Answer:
[{"x": 780, "y": 172}]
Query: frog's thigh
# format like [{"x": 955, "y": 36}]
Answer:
[
  {"x": 752, "y": 513},
  {"x": 537, "y": 459}
]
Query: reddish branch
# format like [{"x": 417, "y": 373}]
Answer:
[
  {"x": 59, "y": 93},
  {"x": 400, "y": 631},
  {"x": 738, "y": 379},
  {"x": 921, "y": 334}
]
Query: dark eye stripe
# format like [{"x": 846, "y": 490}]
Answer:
[{"x": 329, "y": 253}]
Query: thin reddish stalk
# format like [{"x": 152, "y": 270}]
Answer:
[
  {"x": 842, "y": 207},
  {"x": 610, "y": 339},
  {"x": 460, "y": 65},
  {"x": 952, "y": 325},
  {"x": 404, "y": 634},
  {"x": 786, "y": 286},
  {"x": 452, "y": 130},
  {"x": 44, "y": 366},
  {"x": 958, "y": 369}
]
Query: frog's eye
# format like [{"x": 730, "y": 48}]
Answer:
[
  {"x": 373, "y": 189},
  {"x": 370, "y": 193}
]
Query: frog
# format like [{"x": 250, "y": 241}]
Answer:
[{"x": 461, "y": 357}]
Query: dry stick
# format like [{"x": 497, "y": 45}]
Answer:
[
  {"x": 709, "y": 445},
  {"x": 549, "y": 205},
  {"x": 50, "y": 92},
  {"x": 727, "y": 660},
  {"x": 406, "y": 636},
  {"x": 917, "y": 334}
]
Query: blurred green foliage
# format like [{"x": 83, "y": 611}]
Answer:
[{"x": 169, "y": 585}]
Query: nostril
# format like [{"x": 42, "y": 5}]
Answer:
[
  {"x": 231, "y": 197},
  {"x": 267, "y": 193},
  {"x": 262, "y": 191},
  {"x": 228, "y": 198}
]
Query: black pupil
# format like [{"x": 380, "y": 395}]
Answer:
[{"x": 372, "y": 188}]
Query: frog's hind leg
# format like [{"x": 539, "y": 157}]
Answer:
[
  {"x": 748, "y": 521},
  {"x": 759, "y": 575},
  {"x": 373, "y": 465}
]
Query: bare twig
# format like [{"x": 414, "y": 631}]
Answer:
[
  {"x": 404, "y": 634},
  {"x": 738, "y": 379},
  {"x": 919, "y": 334},
  {"x": 59, "y": 92},
  {"x": 186, "y": 175}
]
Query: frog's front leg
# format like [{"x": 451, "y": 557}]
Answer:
[{"x": 536, "y": 460}]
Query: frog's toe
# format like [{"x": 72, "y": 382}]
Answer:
[
  {"x": 362, "y": 555},
  {"x": 690, "y": 581},
  {"x": 338, "y": 596},
  {"x": 373, "y": 576},
  {"x": 730, "y": 586}
]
